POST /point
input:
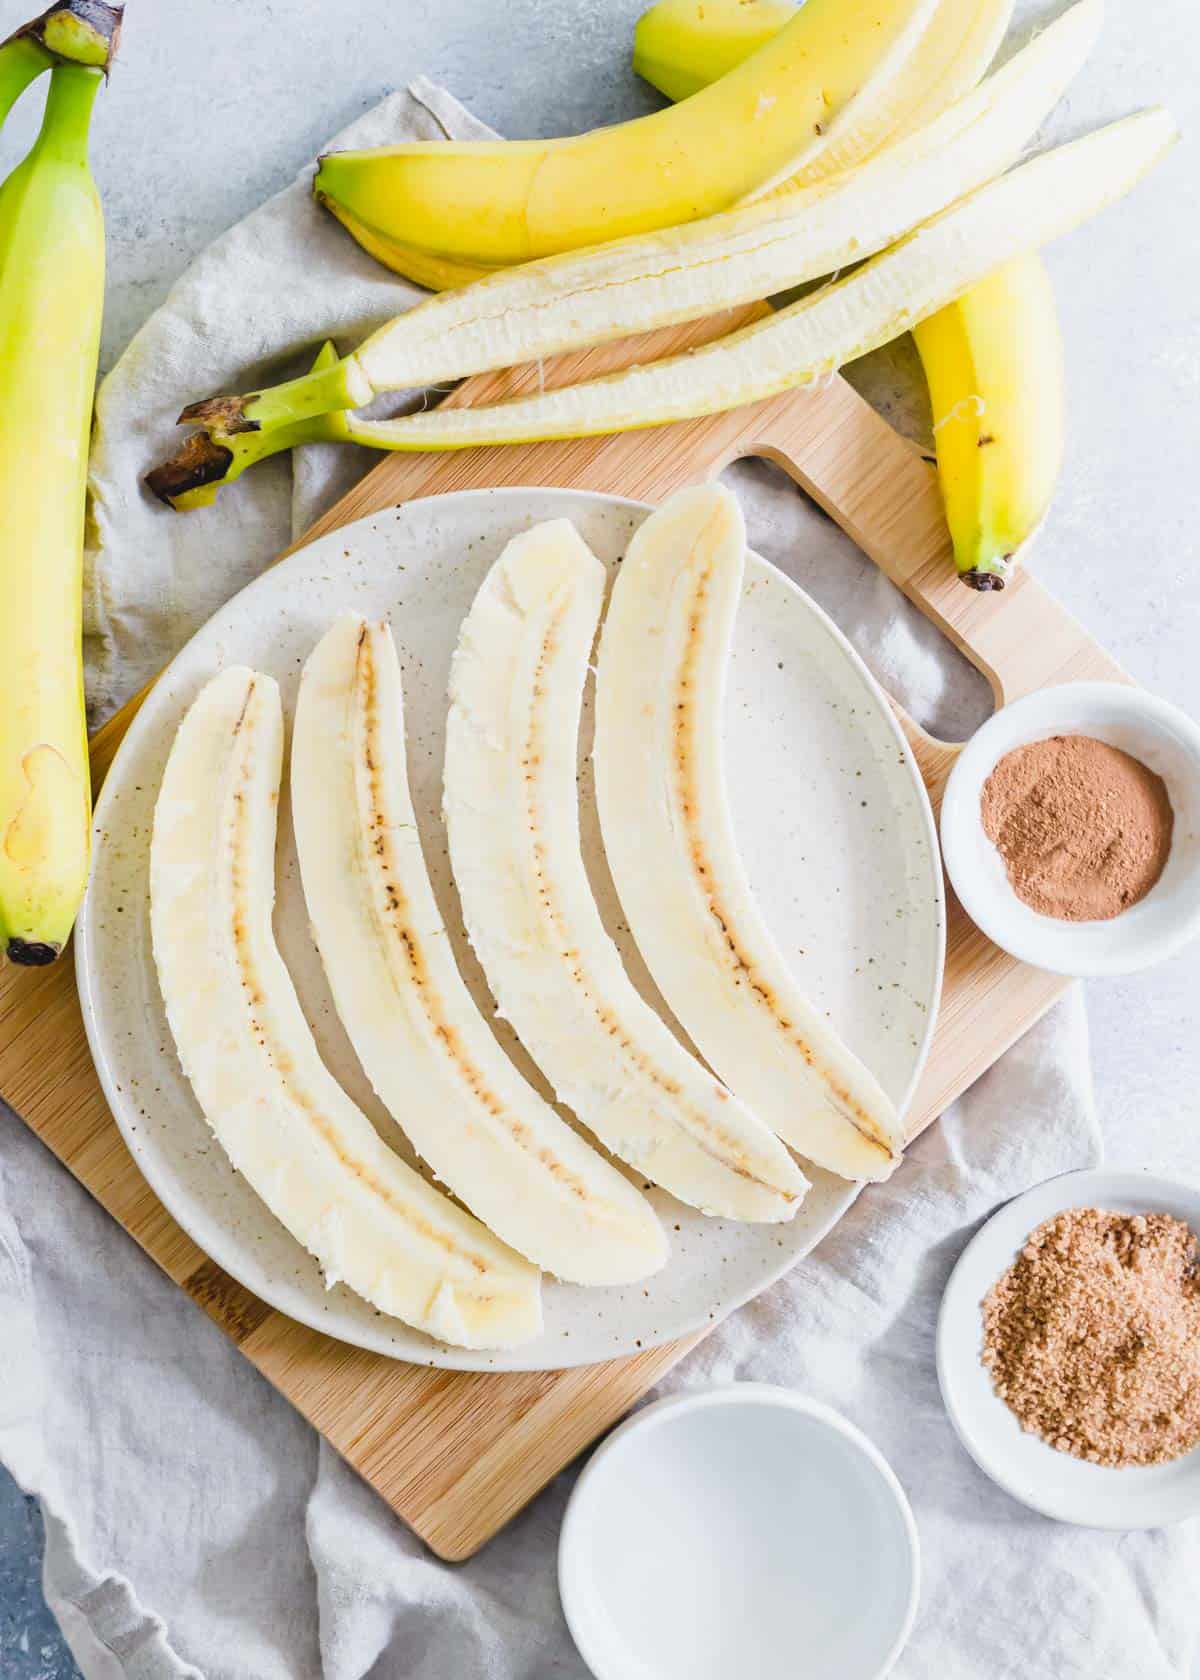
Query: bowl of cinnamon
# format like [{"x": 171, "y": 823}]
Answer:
[{"x": 1070, "y": 829}]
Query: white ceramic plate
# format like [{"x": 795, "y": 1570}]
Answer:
[
  {"x": 830, "y": 810},
  {"x": 1069, "y": 1489},
  {"x": 727, "y": 1533}
]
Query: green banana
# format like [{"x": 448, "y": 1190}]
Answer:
[{"x": 51, "y": 301}]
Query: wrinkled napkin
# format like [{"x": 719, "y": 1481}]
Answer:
[{"x": 195, "y": 1525}]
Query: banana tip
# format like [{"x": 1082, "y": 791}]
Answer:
[
  {"x": 32, "y": 953},
  {"x": 982, "y": 581}
]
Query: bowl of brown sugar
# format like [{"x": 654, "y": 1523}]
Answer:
[
  {"x": 1070, "y": 828},
  {"x": 1068, "y": 1349}
]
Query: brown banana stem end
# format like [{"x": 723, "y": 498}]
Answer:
[
  {"x": 223, "y": 414},
  {"x": 77, "y": 32},
  {"x": 197, "y": 462},
  {"x": 32, "y": 953},
  {"x": 982, "y": 581}
]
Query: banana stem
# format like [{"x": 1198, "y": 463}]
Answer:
[
  {"x": 21, "y": 62},
  {"x": 205, "y": 463},
  {"x": 67, "y": 121},
  {"x": 84, "y": 32},
  {"x": 325, "y": 389}
]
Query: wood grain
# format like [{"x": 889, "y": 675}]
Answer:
[{"x": 457, "y": 1455}]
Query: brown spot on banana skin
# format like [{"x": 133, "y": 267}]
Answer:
[
  {"x": 715, "y": 1142},
  {"x": 686, "y": 723},
  {"x": 236, "y": 843},
  {"x": 393, "y": 912}
]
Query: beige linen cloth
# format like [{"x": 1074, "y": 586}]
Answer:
[{"x": 195, "y": 1525}]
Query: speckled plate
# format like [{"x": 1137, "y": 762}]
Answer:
[{"x": 831, "y": 814}]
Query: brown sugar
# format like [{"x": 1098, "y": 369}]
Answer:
[
  {"x": 1092, "y": 1336},
  {"x": 1084, "y": 829}
]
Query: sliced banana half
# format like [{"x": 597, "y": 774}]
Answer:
[
  {"x": 512, "y": 814},
  {"x": 422, "y": 1041},
  {"x": 281, "y": 1117},
  {"x": 668, "y": 836}
]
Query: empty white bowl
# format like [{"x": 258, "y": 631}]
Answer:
[
  {"x": 743, "y": 1532},
  {"x": 1054, "y": 1483},
  {"x": 1159, "y": 734}
]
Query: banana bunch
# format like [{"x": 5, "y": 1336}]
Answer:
[
  {"x": 993, "y": 357},
  {"x": 51, "y": 298},
  {"x": 898, "y": 185}
]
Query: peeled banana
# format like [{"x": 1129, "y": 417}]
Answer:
[
  {"x": 427, "y": 1050},
  {"x": 668, "y": 836},
  {"x": 512, "y": 817},
  {"x": 509, "y": 201},
  {"x": 248, "y": 1052},
  {"x": 51, "y": 299}
]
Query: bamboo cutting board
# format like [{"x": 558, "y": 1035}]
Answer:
[{"x": 456, "y": 1454}]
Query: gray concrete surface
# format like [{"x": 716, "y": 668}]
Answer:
[{"x": 217, "y": 103}]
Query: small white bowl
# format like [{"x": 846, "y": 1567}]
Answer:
[
  {"x": 1166, "y": 740},
  {"x": 1068, "y": 1489},
  {"x": 726, "y": 1534}
]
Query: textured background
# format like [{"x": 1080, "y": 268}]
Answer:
[{"x": 217, "y": 103}]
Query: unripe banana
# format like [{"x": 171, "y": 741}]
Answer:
[
  {"x": 51, "y": 299},
  {"x": 501, "y": 202},
  {"x": 994, "y": 365}
]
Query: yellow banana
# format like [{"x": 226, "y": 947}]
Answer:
[
  {"x": 683, "y": 45},
  {"x": 51, "y": 298},
  {"x": 501, "y": 202},
  {"x": 680, "y": 46},
  {"x": 993, "y": 358},
  {"x": 424, "y": 268},
  {"x": 994, "y": 365}
]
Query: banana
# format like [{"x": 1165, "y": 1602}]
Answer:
[
  {"x": 885, "y": 297},
  {"x": 512, "y": 816},
  {"x": 508, "y": 201},
  {"x": 992, "y": 358},
  {"x": 994, "y": 365},
  {"x": 51, "y": 298},
  {"x": 283, "y": 1120},
  {"x": 668, "y": 836},
  {"x": 680, "y": 46},
  {"x": 651, "y": 280},
  {"x": 424, "y": 268},
  {"x": 689, "y": 43},
  {"x": 423, "y": 1044}
]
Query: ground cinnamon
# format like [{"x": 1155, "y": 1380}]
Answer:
[
  {"x": 1084, "y": 829},
  {"x": 1092, "y": 1336}
]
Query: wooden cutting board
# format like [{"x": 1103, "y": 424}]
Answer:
[{"x": 456, "y": 1455}]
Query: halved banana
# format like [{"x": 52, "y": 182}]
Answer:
[
  {"x": 281, "y": 1117},
  {"x": 668, "y": 835},
  {"x": 422, "y": 1041},
  {"x": 512, "y": 814}
]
